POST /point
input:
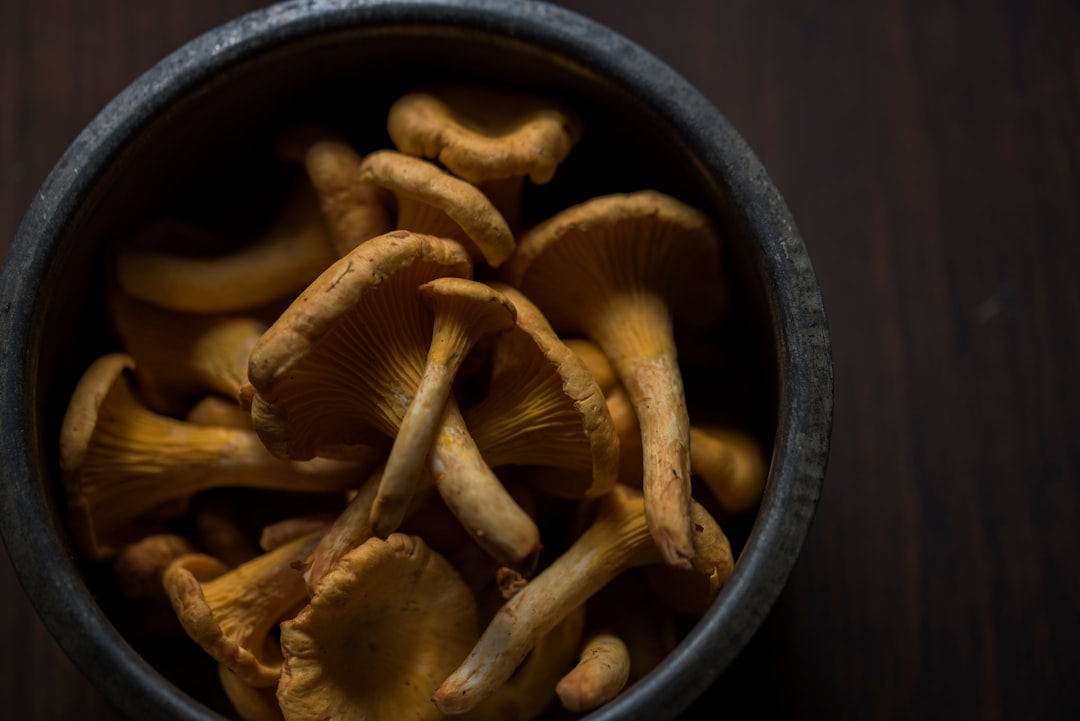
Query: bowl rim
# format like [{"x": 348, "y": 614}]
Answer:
[{"x": 804, "y": 407}]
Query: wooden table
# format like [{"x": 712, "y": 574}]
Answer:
[{"x": 931, "y": 155}]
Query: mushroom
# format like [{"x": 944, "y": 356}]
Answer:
[
  {"x": 292, "y": 250},
  {"x": 731, "y": 463},
  {"x": 431, "y": 201},
  {"x": 183, "y": 356},
  {"x": 464, "y": 311},
  {"x": 601, "y": 673},
  {"x": 384, "y": 626},
  {"x": 619, "y": 269},
  {"x": 338, "y": 369},
  {"x": 354, "y": 210},
  {"x": 491, "y": 136},
  {"x": 232, "y": 614},
  {"x": 544, "y": 409},
  {"x": 617, "y": 540},
  {"x": 126, "y": 469}
]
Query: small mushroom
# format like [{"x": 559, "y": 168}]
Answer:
[
  {"x": 731, "y": 463},
  {"x": 384, "y": 626},
  {"x": 601, "y": 673},
  {"x": 183, "y": 356},
  {"x": 276, "y": 264},
  {"x": 339, "y": 367},
  {"x": 617, "y": 540},
  {"x": 232, "y": 614},
  {"x": 491, "y": 136},
  {"x": 126, "y": 469},
  {"x": 354, "y": 210},
  {"x": 620, "y": 269},
  {"x": 464, "y": 311},
  {"x": 431, "y": 201},
  {"x": 544, "y": 409}
]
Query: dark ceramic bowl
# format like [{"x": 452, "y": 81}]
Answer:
[{"x": 190, "y": 136}]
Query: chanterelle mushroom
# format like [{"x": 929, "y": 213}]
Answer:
[
  {"x": 340, "y": 366},
  {"x": 431, "y": 201},
  {"x": 126, "y": 468},
  {"x": 491, "y": 136},
  {"x": 731, "y": 463},
  {"x": 618, "y": 539},
  {"x": 275, "y": 265},
  {"x": 383, "y": 628},
  {"x": 232, "y": 614},
  {"x": 619, "y": 269},
  {"x": 354, "y": 210}
]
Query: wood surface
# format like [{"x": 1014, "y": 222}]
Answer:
[{"x": 930, "y": 153}]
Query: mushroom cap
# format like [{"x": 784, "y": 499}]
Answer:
[
  {"x": 545, "y": 409},
  {"x": 612, "y": 247},
  {"x": 454, "y": 208},
  {"x": 340, "y": 364},
  {"x": 382, "y": 630},
  {"x": 485, "y": 132}
]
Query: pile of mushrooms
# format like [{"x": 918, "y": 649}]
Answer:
[{"x": 515, "y": 508}]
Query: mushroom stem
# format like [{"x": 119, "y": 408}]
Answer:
[
  {"x": 476, "y": 496},
  {"x": 619, "y": 539},
  {"x": 351, "y": 528},
  {"x": 650, "y": 374},
  {"x": 601, "y": 673}
]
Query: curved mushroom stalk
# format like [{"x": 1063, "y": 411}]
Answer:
[
  {"x": 126, "y": 469},
  {"x": 183, "y": 356},
  {"x": 491, "y": 136},
  {"x": 384, "y": 626},
  {"x": 464, "y": 311},
  {"x": 617, "y": 540},
  {"x": 476, "y": 496},
  {"x": 543, "y": 409},
  {"x": 619, "y": 269},
  {"x": 232, "y": 614},
  {"x": 355, "y": 211},
  {"x": 277, "y": 264},
  {"x": 431, "y": 201},
  {"x": 731, "y": 463},
  {"x": 341, "y": 364},
  {"x": 601, "y": 673}
]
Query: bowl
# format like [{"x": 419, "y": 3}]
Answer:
[{"x": 215, "y": 102}]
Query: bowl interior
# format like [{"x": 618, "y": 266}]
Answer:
[{"x": 202, "y": 152}]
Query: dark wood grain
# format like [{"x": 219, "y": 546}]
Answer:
[{"x": 930, "y": 153}]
